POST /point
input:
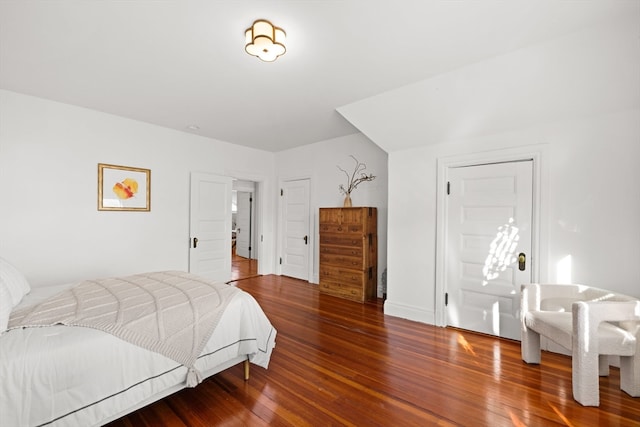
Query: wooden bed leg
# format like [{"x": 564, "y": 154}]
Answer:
[{"x": 246, "y": 370}]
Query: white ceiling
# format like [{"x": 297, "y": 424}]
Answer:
[{"x": 177, "y": 63}]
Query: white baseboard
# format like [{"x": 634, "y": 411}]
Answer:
[{"x": 414, "y": 313}]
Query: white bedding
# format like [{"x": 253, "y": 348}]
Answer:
[{"x": 72, "y": 376}]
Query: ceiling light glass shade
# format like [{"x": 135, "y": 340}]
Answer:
[{"x": 265, "y": 41}]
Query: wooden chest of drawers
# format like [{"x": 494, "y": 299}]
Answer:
[{"x": 349, "y": 252}]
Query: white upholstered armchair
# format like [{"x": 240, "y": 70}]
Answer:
[{"x": 592, "y": 323}]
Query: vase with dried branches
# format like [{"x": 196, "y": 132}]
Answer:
[{"x": 357, "y": 177}]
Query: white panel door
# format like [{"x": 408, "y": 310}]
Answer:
[
  {"x": 488, "y": 225},
  {"x": 295, "y": 244},
  {"x": 243, "y": 225},
  {"x": 210, "y": 226}
]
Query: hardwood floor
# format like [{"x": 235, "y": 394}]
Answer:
[
  {"x": 242, "y": 268},
  {"x": 338, "y": 362}
]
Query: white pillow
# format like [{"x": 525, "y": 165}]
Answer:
[
  {"x": 14, "y": 281},
  {"x": 5, "y": 307}
]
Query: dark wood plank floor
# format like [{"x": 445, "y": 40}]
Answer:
[
  {"x": 338, "y": 362},
  {"x": 242, "y": 268}
]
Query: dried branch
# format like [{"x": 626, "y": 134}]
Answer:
[{"x": 356, "y": 178}]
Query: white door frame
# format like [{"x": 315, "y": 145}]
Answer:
[
  {"x": 261, "y": 194},
  {"x": 312, "y": 222},
  {"x": 534, "y": 153}
]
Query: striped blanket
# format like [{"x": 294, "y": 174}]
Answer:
[{"x": 170, "y": 312}]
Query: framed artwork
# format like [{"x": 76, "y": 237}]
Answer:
[{"x": 123, "y": 188}]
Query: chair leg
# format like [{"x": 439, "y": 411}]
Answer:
[
  {"x": 630, "y": 374},
  {"x": 603, "y": 365},
  {"x": 530, "y": 346},
  {"x": 584, "y": 374}
]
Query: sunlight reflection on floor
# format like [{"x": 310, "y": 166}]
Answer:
[
  {"x": 562, "y": 417},
  {"x": 466, "y": 346},
  {"x": 515, "y": 420}
]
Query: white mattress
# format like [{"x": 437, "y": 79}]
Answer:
[{"x": 73, "y": 376}]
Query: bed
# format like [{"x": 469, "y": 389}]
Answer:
[{"x": 69, "y": 376}]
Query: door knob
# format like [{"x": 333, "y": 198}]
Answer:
[
  {"x": 195, "y": 242},
  {"x": 306, "y": 240},
  {"x": 522, "y": 261}
]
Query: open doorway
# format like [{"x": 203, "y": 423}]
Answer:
[{"x": 244, "y": 251}]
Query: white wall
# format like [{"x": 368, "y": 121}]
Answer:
[
  {"x": 593, "y": 71},
  {"x": 590, "y": 206},
  {"x": 577, "y": 100},
  {"x": 50, "y": 227},
  {"x": 319, "y": 162}
]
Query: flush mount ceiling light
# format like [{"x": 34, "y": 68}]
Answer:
[{"x": 265, "y": 41}]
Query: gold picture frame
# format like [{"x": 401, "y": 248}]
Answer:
[{"x": 123, "y": 188}]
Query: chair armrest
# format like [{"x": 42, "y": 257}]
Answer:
[
  {"x": 529, "y": 298},
  {"x": 610, "y": 311},
  {"x": 562, "y": 291},
  {"x": 587, "y": 316},
  {"x": 532, "y": 294}
]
